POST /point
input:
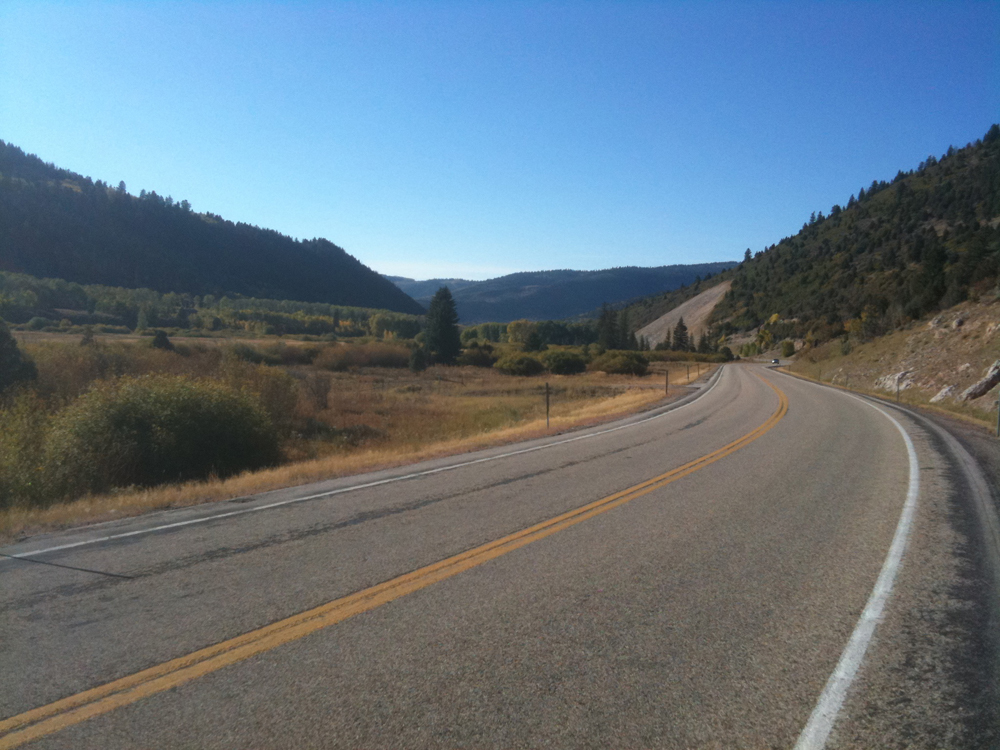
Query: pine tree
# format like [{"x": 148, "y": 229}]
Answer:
[
  {"x": 681, "y": 342},
  {"x": 441, "y": 332},
  {"x": 623, "y": 340},
  {"x": 14, "y": 368},
  {"x": 607, "y": 328}
]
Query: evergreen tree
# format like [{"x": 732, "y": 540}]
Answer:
[
  {"x": 607, "y": 328},
  {"x": 441, "y": 332},
  {"x": 681, "y": 342},
  {"x": 14, "y": 367},
  {"x": 534, "y": 342},
  {"x": 624, "y": 338},
  {"x": 418, "y": 359}
]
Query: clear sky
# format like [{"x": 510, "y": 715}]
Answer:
[{"x": 473, "y": 139}]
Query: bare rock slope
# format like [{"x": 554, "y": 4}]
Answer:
[{"x": 695, "y": 312}]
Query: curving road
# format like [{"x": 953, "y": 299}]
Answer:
[{"x": 689, "y": 577}]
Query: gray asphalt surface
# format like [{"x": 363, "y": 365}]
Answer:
[{"x": 708, "y": 613}]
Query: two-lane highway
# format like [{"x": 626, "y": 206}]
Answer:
[{"x": 686, "y": 578}]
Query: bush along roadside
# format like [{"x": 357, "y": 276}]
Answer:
[{"x": 139, "y": 431}]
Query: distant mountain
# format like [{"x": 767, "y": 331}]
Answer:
[
  {"x": 58, "y": 224},
  {"x": 556, "y": 295},
  {"x": 424, "y": 290}
]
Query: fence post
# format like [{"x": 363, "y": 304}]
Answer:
[
  {"x": 546, "y": 406},
  {"x": 666, "y": 385}
]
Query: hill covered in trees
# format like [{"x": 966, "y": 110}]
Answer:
[
  {"x": 898, "y": 250},
  {"x": 58, "y": 224},
  {"x": 556, "y": 295},
  {"x": 895, "y": 252}
]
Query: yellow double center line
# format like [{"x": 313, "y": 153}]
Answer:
[{"x": 77, "y": 708}]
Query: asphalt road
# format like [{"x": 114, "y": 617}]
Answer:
[{"x": 707, "y": 605}]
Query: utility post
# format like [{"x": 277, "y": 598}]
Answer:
[
  {"x": 689, "y": 373},
  {"x": 546, "y": 406}
]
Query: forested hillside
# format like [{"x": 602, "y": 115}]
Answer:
[
  {"x": 897, "y": 251},
  {"x": 58, "y": 224},
  {"x": 557, "y": 295}
]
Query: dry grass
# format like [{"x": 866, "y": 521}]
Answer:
[
  {"x": 378, "y": 419},
  {"x": 934, "y": 354},
  {"x": 967, "y": 415}
]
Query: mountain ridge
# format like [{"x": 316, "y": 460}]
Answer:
[
  {"x": 55, "y": 223},
  {"x": 557, "y": 294}
]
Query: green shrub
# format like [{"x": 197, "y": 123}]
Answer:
[
  {"x": 478, "y": 356},
  {"x": 418, "y": 359},
  {"x": 161, "y": 341},
  {"x": 281, "y": 353},
  {"x": 155, "y": 429},
  {"x": 352, "y": 356},
  {"x": 621, "y": 363},
  {"x": 24, "y": 426},
  {"x": 787, "y": 349},
  {"x": 519, "y": 364},
  {"x": 38, "y": 323},
  {"x": 660, "y": 355},
  {"x": 247, "y": 353},
  {"x": 565, "y": 363}
]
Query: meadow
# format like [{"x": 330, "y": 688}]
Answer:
[{"x": 333, "y": 409}]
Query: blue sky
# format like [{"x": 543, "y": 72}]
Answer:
[{"x": 435, "y": 139}]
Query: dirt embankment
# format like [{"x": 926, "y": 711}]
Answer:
[
  {"x": 935, "y": 361},
  {"x": 695, "y": 313}
]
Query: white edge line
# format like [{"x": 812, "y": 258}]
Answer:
[
  {"x": 354, "y": 487},
  {"x": 817, "y": 729}
]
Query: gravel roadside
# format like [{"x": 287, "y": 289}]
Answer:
[{"x": 933, "y": 682}]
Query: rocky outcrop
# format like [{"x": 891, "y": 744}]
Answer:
[
  {"x": 984, "y": 386},
  {"x": 892, "y": 382},
  {"x": 944, "y": 393}
]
